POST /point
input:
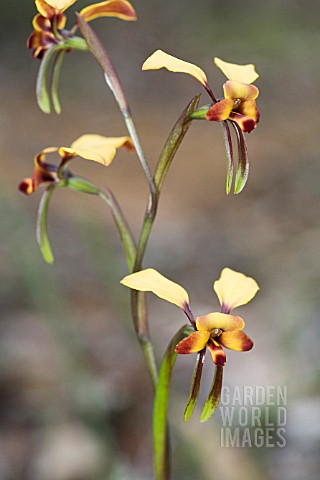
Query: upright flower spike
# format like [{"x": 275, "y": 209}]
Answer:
[
  {"x": 214, "y": 331},
  {"x": 238, "y": 105}
]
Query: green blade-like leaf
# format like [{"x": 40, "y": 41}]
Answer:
[
  {"x": 214, "y": 396},
  {"x": 229, "y": 153},
  {"x": 173, "y": 142},
  {"x": 42, "y": 228},
  {"x": 195, "y": 385},
  {"x": 160, "y": 408},
  {"x": 243, "y": 161},
  {"x": 55, "y": 80}
]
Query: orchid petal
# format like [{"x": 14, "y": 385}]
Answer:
[
  {"x": 59, "y": 4},
  {"x": 217, "y": 354},
  {"x": 249, "y": 108},
  {"x": 240, "y": 90},
  {"x": 220, "y": 111},
  {"x": 150, "y": 280},
  {"x": 193, "y": 343},
  {"x": 160, "y": 59},
  {"x": 236, "y": 340},
  {"x": 97, "y": 148},
  {"x": 222, "y": 321},
  {"x": 26, "y": 186},
  {"x": 44, "y": 8},
  {"x": 239, "y": 73},
  {"x": 112, "y": 8},
  {"x": 234, "y": 289},
  {"x": 247, "y": 124}
]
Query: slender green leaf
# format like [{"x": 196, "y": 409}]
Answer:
[
  {"x": 195, "y": 385},
  {"x": 42, "y": 228},
  {"x": 214, "y": 396},
  {"x": 160, "y": 408},
  {"x": 173, "y": 142}
]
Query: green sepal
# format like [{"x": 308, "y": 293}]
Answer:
[
  {"x": 42, "y": 225},
  {"x": 229, "y": 154},
  {"x": 213, "y": 398},
  {"x": 76, "y": 43},
  {"x": 200, "y": 113},
  {"x": 195, "y": 385},
  {"x": 243, "y": 161},
  {"x": 81, "y": 185},
  {"x": 160, "y": 407},
  {"x": 42, "y": 92}
]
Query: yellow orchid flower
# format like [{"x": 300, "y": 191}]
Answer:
[
  {"x": 89, "y": 147},
  {"x": 239, "y": 103},
  {"x": 50, "y": 22},
  {"x": 214, "y": 330}
]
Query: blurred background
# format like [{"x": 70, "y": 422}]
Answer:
[{"x": 75, "y": 398}]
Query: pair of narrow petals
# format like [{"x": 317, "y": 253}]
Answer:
[
  {"x": 224, "y": 110},
  {"x": 244, "y": 113},
  {"x": 233, "y": 340}
]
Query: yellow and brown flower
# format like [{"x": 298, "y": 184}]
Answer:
[
  {"x": 89, "y": 147},
  {"x": 239, "y": 103},
  {"x": 214, "y": 330},
  {"x": 50, "y": 22}
]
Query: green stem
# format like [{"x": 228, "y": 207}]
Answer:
[
  {"x": 138, "y": 302},
  {"x": 160, "y": 410},
  {"x": 127, "y": 239}
]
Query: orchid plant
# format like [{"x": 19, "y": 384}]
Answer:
[{"x": 211, "y": 332}]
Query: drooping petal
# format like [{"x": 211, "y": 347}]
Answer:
[
  {"x": 97, "y": 148},
  {"x": 222, "y": 321},
  {"x": 247, "y": 124},
  {"x": 41, "y": 23},
  {"x": 150, "y": 280},
  {"x": 112, "y": 8},
  {"x": 160, "y": 59},
  {"x": 41, "y": 39},
  {"x": 240, "y": 90},
  {"x": 239, "y": 73},
  {"x": 234, "y": 289},
  {"x": 249, "y": 109},
  {"x": 193, "y": 343},
  {"x": 217, "y": 354},
  {"x": 220, "y": 111},
  {"x": 59, "y": 4},
  {"x": 236, "y": 340}
]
